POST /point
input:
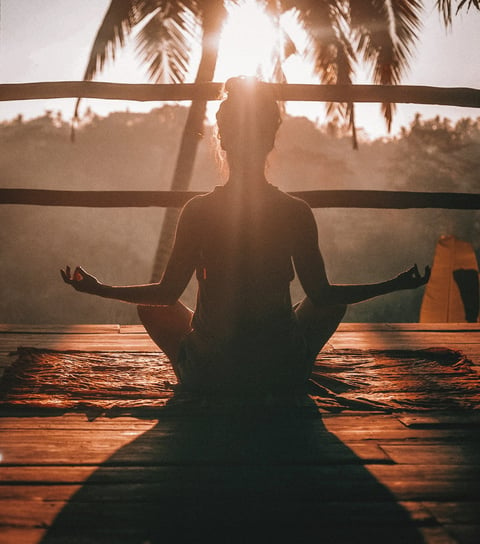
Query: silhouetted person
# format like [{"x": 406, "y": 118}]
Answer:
[{"x": 244, "y": 240}]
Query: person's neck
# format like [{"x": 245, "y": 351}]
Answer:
[{"x": 247, "y": 173}]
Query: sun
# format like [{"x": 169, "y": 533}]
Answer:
[
  {"x": 248, "y": 42},
  {"x": 252, "y": 42}
]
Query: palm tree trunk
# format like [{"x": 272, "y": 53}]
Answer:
[
  {"x": 213, "y": 15},
  {"x": 180, "y": 182}
]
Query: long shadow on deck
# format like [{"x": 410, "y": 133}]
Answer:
[{"x": 248, "y": 477}]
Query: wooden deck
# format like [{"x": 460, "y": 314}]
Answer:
[{"x": 349, "y": 477}]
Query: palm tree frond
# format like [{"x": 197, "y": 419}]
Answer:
[
  {"x": 164, "y": 44},
  {"x": 322, "y": 40},
  {"x": 386, "y": 33},
  {"x": 474, "y": 3},
  {"x": 445, "y": 9},
  {"x": 117, "y": 24},
  {"x": 288, "y": 45},
  {"x": 329, "y": 47},
  {"x": 283, "y": 48},
  {"x": 119, "y": 20}
]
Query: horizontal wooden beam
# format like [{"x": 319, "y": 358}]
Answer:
[
  {"x": 450, "y": 96},
  {"x": 176, "y": 199}
]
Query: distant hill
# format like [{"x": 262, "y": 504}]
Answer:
[{"x": 138, "y": 151}]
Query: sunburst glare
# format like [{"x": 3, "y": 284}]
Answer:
[
  {"x": 252, "y": 43},
  {"x": 248, "y": 43}
]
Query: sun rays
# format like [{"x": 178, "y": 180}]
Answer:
[{"x": 249, "y": 42}]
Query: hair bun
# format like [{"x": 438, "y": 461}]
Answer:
[
  {"x": 240, "y": 83},
  {"x": 241, "y": 87},
  {"x": 250, "y": 109}
]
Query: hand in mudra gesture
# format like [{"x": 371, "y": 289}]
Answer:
[
  {"x": 80, "y": 280},
  {"x": 411, "y": 279}
]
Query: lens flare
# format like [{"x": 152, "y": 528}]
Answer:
[{"x": 248, "y": 43}]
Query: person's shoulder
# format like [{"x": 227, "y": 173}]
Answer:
[
  {"x": 197, "y": 202},
  {"x": 199, "y": 207},
  {"x": 293, "y": 202}
]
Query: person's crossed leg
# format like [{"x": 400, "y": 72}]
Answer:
[{"x": 168, "y": 325}]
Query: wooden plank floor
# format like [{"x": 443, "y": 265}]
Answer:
[{"x": 257, "y": 477}]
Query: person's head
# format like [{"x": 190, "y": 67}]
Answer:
[{"x": 248, "y": 119}]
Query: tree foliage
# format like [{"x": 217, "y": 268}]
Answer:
[
  {"x": 381, "y": 33},
  {"x": 341, "y": 33},
  {"x": 439, "y": 155},
  {"x": 135, "y": 150}
]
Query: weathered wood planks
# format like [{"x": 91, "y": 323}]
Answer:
[
  {"x": 342, "y": 478},
  {"x": 464, "y": 337},
  {"x": 135, "y": 486},
  {"x": 83, "y": 341}
]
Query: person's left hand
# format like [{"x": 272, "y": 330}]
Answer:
[
  {"x": 80, "y": 280},
  {"x": 411, "y": 279}
]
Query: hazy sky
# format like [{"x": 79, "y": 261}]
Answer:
[{"x": 49, "y": 40}]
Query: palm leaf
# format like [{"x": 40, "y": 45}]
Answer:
[
  {"x": 386, "y": 33},
  {"x": 282, "y": 50},
  {"x": 169, "y": 58},
  {"x": 121, "y": 17},
  {"x": 165, "y": 43},
  {"x": 119, "y": 20},
  {"x": 445, "y": 8},
  {"x": 334, "y": 56},
  {"x": 474, "y": 3}
]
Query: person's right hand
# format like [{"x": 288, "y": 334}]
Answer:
[
  {"x": 411, "y": 279},
  {"x": 80, "y": 280}
]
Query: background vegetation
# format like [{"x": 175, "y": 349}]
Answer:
[{"x": 138, "y": 151}]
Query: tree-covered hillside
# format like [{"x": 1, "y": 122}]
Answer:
[{"x": 138, "y": 151}]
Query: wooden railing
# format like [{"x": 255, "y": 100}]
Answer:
[
  {"x": 400, "y": 94},
  {"x": 176, "y": 199},
  {"x": 463, "y": 97}
]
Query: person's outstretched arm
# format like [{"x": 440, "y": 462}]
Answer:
[
  {"x": 311, "y": 272},
  {"x": 177, "y": 274}
]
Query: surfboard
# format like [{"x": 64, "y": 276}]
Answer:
[{"x": 452, "y": 294}]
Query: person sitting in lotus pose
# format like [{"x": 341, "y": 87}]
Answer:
[{"x": 244, "y": 240}]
